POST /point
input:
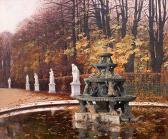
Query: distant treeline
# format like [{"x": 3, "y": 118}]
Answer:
[{"x": 75, "y": 31}]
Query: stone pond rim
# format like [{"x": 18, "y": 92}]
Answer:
[{"x": 107, "y": 99}]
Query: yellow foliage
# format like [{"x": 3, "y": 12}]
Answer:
[
  {"x": 121, "y": 51},
  {"x": 25, "y": 60},
  {"x": 69, "y": 51},
  {"x": 89, "y": 50}
]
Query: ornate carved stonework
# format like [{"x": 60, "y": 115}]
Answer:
[{"x": 104, "y": 93}]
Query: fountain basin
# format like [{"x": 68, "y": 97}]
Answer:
[{"x": 56, "y": 124}]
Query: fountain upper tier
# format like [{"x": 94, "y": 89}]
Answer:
[
  {"x": 105, "y": 68},
  {"x": 105, "y": 62}
]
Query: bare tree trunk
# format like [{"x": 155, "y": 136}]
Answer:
[
  {"x": 157, "y": 18},
  {"x": 108, "y": 29},
  {"x": 73, "y": 27},
  {"x": 85, "y": 22},
  {"x": 97, "y": 12},
  {"x": 102, "y": 15},
  {"x": 6, "y": 57},
  {"x": 138, "y": 5},
  {"x": 124, "y": 16}
]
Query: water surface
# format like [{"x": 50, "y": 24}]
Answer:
[{"x": 59, "y": 125}]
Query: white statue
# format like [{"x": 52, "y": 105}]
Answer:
[
  {"x": 2, "y": 64},
  {"x": 27, "y": 83},
  {"x": 75, "y": 74},
  {"x": 36, "y": 82},
  {"x": 51, "y": 76},
  {"x": 9, "y": 82},
  {"x": 75, "y": 85},
  {"x": 52, "y": 82},
  {"x": 36, "y": 78},
  {"x": 27, "y": 79}
]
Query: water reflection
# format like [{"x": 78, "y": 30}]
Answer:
[
  {"x": 104, "y": 131},
  {"x": 59, "y": 125}
]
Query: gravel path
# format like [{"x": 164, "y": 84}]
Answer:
[{"x": 14, "y": 97}]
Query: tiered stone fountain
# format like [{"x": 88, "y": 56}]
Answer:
[{"x": 104, "y": 97}]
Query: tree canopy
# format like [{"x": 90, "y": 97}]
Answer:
[{"x": 76, "y": 31}]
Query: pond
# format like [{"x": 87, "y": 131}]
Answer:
[{"x": 59, "y": 125}]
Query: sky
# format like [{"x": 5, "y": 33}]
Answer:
[{"x": 12, "y": 12}]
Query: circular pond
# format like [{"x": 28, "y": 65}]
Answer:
[{"x": 59, "y": 125}]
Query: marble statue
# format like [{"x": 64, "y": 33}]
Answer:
[
  {"x": 51, "y": 76},
  {"x": 36, "y": 78},
  {"x": 36, "y": 82},
  {"x": 9, "y": 82},
  {"x": 75, "y": 85},
  {"x": 51, "y": 82},
  {"x": 27, "y": 83},
  {"x": 27, "y": 79},
  {"x": 75, "y": 74},
  {"x": 2, "y": 64}
]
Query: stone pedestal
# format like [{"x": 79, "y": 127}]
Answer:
[
  {"x": 27, "y": 87},
  {"x": 36, "y": 87},
  {"x": 115, "y": 128},
  {"x": 52, "y": 88},
  {"x": 75, "y": 89},
  {"x": 9, "y": 86},
  {"x": 92, "y": 117}
]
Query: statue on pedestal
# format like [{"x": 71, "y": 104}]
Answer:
[
  {"x": 75, "y": 74},
  {"x": 36, "y": 78},
  {"x": 75, "y": 85},
  {"x": 51, "y": 77},
  {"x": 9, "y": 82},
  {"x": 36, "y": 82},
  {"x": 27, "y": 79},
  {"x": 27, "y": 83},
  {"x": 51, "y": 82}
]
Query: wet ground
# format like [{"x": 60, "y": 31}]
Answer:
[{"x": 60, "y": 125}]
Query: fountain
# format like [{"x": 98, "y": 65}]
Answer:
[{"x": 104, "y": 98}]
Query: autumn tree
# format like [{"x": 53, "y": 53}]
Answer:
[
  {"x": 69, "y": 13},
  {"x": 5, "y": 47},
  {"x": 45, "y": 37},
  {"x": 122, "y": 15},
  {"x": 138, "y": 5},
  {"x": 156, "y": 22},
  {"x": 75, "y": 31},
  {"x": 101, "y": 10}
]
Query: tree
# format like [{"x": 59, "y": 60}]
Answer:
[
  {"x": 122, "y": 15},
  {"x": 138, "y": 5},
  {"x": 156, "y": 22},
  {"x": 5, "y": 45},
  {"x": 101, "y": 12}
]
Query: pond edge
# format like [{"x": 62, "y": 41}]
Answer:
[{"x": 49, "y": 104}]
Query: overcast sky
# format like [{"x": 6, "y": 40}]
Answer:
[{"x": 14, "y": 11}]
